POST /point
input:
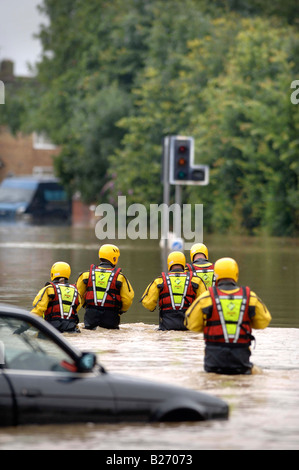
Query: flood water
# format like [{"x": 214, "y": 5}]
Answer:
[{"x": 264, "y": 408}]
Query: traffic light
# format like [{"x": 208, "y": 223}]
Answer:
[
  {"x": 181, "y": 159},
  {"x": 181, "y": 167}
]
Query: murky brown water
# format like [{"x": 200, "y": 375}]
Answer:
[{"x": 264, "y": 408}]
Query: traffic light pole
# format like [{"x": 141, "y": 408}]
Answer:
[
  {"x": 166, "y": 196},
  {"x": 177, "y": 218},
  {"x": 166, "y": 189}
]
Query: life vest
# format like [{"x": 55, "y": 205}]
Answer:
[
  {"x": 103, "y": 290},
  {"x": 204, "y": 271},
  {"x": 177, "y": 291},
  {"x": 229, "y": 321},
  {"x": 64, "y": 304}
]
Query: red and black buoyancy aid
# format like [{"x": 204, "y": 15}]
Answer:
[
  {"x": 103, "y": 289},
  {"x": 229, "y": 320},
  {"x": 64, "y": 303},
  {"x": 177, "y": 292},
  {"x": 204, "y": 271}
]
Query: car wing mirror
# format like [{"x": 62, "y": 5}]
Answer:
[{"x": 87, "y": 362}]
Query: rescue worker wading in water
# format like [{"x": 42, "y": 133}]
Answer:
[
  {"x": 59, "y": 301},
  {"x": 175, "y": 291},
  {"x": 200, "y": 264},
  {"x": 226, "y": 314},
  {"x": 107, "y": 293}
]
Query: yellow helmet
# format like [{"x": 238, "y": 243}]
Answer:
[
  {"x": 176, "y": 257},
  {"x": 226, "y": 268},
  {"x": 110, "y": 253},
  {"x": 60, "y": 269},
  {"x": 198, "y": 248}
]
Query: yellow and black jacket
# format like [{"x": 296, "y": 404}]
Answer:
[{"x": 174, "y": 292}]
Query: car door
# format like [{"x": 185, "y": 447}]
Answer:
[
  {"x": 46, "y": 386},
  {"x": 7, "y": 408},
  {"x": 43, "y": 397}
]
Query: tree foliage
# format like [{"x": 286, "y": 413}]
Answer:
[{"x": 116, "y": 77}]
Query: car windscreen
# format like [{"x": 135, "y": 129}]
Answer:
[
  {"x": 16, "y": 194},
  {"x": 54, "y": 194},
  {"x": 24, "y": 347}
]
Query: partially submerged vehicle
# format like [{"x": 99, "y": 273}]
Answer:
[
  {"x": 44, "y": 380},
  {"x": 36, "y": 198}
]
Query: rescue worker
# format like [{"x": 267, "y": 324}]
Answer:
[
  {"x": 58, "y": 302},
  {"x": 105, "y": 291},
  {"x": 226, "y": 314},
  {"x": 200, "y": 264},
  {"x": 175, "y": 291}
]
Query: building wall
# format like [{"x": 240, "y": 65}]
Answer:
[
  {"x": 21, "y": 153},
  {"x": 18, "y": 155}
]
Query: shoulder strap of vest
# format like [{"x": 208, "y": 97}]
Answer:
[
  {"x": 166, "y": 279},
  {"x": 75, "y": 296},
  {"x": 244, "y": 302},
  {"x": 191, "y": 268},
  {"x": 215, "y": 298},
  {"x": 185, "y": 290},
  {"x": 114, "y": 273},
  {"x": 168, "y": 282},
  {"x": 245, "y": 299},
  {"x": 59, "y": 296},
  {"x": 57, "y": 289}
]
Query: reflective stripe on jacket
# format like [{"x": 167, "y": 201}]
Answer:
[
  {"x": 102, "y": 288},
  {"x": 177, "y": 291},
  {"x": 229, "y": 321},
  {"x": 204, "y": 271},
  {"x": 64, "y": 302}
]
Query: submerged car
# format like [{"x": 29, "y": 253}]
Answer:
[
  {"x": 45, "y": 380},
  {"x": 34, "y": 198}
]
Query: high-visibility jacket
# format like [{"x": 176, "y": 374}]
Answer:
[
  {"x": 203, "y": 270},
  {"x": 102, "y": 288},
  {"x": 229, "y": 320},
  {"x": 64, "y": 303},
  {"x": 177, "y": 291}
]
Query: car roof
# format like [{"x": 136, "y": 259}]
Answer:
[
  {"x": 29, "y": 181},
  {"x": 42, "y": 324}
]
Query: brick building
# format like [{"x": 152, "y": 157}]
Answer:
[
  {"x": 24, "y": 154},
  {"x": 21, "y": 153}
]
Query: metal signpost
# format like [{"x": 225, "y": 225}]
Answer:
[{"x": 179, "y": 169}]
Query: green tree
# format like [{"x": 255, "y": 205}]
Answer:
[
  {"x": 92, "y": 52},
  {"x": 168, "y": 94},
  {"x": 249, "y": 134}
]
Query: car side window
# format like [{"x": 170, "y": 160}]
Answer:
[{"x": 24, "y": 347}]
